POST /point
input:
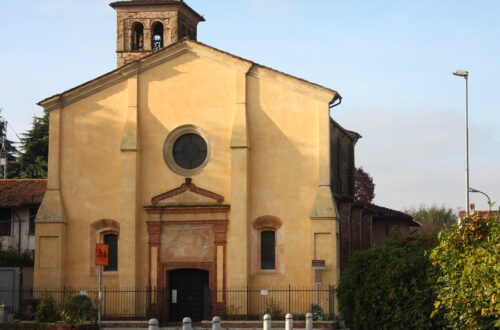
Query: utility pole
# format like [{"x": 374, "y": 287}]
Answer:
[
  {"x": 465, "y": 75},
  {"x": 3, "y": 157}
]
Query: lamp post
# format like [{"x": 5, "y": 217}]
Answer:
[
  {"x": 465, "y": 74},
  {"x": 472, "y": 190}
]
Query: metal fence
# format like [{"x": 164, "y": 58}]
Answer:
[
  {"x": 116, "y": 304},
  {"x": 240, "y": 302},
  {"x": 253, "y": 302}
]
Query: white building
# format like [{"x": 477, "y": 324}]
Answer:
[{"x": 19, "y": 202}]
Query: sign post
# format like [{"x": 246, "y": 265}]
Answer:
[{"x": 101, "y": 259}]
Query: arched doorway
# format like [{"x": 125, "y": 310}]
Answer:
[{"x": 189, "y": 294}]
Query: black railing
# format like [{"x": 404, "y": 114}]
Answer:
[
  {"x": 254, "y": 302},
  {"x": 142, "y": 304},
  {"x": 116, "y": 304}
]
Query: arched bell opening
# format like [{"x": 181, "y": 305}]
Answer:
[
  {"x": 137, "y": 36},
  {"x": 157, "y": 36}
]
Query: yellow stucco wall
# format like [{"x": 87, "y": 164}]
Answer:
[{"x": 270, "y": 157}]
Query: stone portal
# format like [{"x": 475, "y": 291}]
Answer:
[{"x": 187, "y": 230}]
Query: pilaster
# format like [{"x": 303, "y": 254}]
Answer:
[
  {"x": 50, "y": 224},
  {"x": 345, "y": 234},
  {"x": 324, "y": 227},
  {"x": 367, "y": 230},
  {"x": 238, "y": 247},
  {"x": 356, "y": 216},
  {"x": 128, "y": 189}
]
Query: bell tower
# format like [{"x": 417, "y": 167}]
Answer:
[{"x": 144, "y": 26}]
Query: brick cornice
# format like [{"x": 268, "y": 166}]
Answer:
[
  {"x": 188, "y": 185},
  {"x": 188, "y": 209}
]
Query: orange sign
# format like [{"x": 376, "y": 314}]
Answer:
[{"x": 101, "y": 254}]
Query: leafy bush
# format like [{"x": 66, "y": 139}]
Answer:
[
  {"x": 468, "y": 262},
  {"x": 389, "y": 287},
  {"x": 271, "y": 308},
  {"x": 46, "y": 311},
  {"x": 317, "y": 312},
  {"x": 79, "y": 309},
  {"x": 11, "y": 257}
]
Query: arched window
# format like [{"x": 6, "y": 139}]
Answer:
[
  {"x": 157, "y": 38},
  {"x": 137, "y": 36},
  {"x": 112, "y": 241},
  {"x": 99, "y": 230},
  {"x": 267, "y": 244},
  {"x": 268, "y": 249}
]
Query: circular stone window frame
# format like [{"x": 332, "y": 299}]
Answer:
[{"x": 168, "y": 147}]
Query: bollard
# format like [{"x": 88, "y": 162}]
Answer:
[
  {"x": 216, "y": 323},
  {"x": 309, "y": 321},
  {"x": 153, "y": 324},
  {"x": 289, "y": 321},
  {"x": 267, "y": 322},
  {"x": 186, "y": 323}
]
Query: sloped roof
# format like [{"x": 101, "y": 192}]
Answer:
[
  {"x": 22, "y": 192},
  {"x": 121, "y": 72},
  {"x": 384, "y": 212},
  {"x": 351, "y": 134}
]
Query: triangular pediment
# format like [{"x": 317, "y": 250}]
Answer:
[
  {"x": 187, "y": 194},
  {"x": 172, "y": 51}
]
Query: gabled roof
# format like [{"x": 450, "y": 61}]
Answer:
[
  {"x": 22, "y": 192},
  {"x": 157, "y": 57}
]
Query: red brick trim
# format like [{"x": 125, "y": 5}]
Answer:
[
  {"x": 187, "y": 209},
  {"x": 154, "y": 231},
  {"x": 188, "y": 185},
  {"x": 267, "y": 221}
]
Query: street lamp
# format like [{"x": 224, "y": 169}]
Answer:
[
  {"x": 472, "y": 190},
  {"x": 465, "y": 74}
]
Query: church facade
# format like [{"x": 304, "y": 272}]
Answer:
[{"x": 193, "y": 165}]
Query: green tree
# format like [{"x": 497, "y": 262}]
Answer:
[
  {"x": 34, "y": 157},
  {"x": 467, "y": 261},
  {"x": 12, "y": 164},
  {"x": 433, "y": 218}
]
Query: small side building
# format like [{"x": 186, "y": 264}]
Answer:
[{"x": 19, "y": 203}]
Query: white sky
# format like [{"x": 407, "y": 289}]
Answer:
[{"x": 390, "y": 60}]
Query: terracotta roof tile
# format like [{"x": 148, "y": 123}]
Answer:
[
  {"x": 482, "y": 214},
  {"x": 19, "y": 192}
]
